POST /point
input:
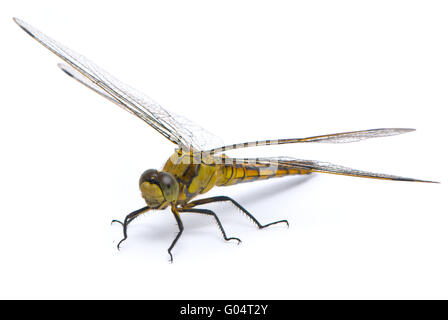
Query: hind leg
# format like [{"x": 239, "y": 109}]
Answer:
[{"x": 225, "y": 198}]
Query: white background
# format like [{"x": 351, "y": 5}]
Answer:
[{"x": 245, "y": 70}]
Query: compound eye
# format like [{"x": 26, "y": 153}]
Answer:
[
  {"x": 149, "y": 176},
  {"x": 166, "y": 179},
  {"x": 169, "y": 186}
]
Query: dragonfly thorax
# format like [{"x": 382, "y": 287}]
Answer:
[{"x": 158, "y": 188}]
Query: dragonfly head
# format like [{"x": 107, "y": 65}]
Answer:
[{"x": 158, "y": 188}]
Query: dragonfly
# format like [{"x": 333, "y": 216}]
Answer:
[{"x": 199, "y": 162}]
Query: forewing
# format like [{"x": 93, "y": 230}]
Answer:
[
  {"x": 177, "y": 129},
  {"x": 89, "y": 84},
  {"x": 321, "y": 166},
  {"x": 354, "y": 136},
  {"x": 343, "y": 137}
]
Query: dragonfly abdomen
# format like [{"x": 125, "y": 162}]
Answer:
[{"x": 234, "y": 173}]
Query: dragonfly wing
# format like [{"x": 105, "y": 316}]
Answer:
[
  {"x": 73, "y": 73},
  {"x": 177, "y": 129},
  {"x": 343, "y": 137},
  {"x": 354, "y": 136},
  {"x": 321, "y": 166},
  {"x": 91, "y": 85}
]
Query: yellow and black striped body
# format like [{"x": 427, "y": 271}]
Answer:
[
  {"x": 238, "y": 172},
  {"x": 197, "y": 173}
]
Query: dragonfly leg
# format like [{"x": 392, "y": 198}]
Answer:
[
  {"x": 128, "y": 220},
  {"x": 211, "y": 213},
  {"x": 181, "y": 229},
  {"x": 225, "y": 198}
]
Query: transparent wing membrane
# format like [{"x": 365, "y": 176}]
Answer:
[
  {"x": 177, "y": 129},
  {"x": 185, "y": 133},
  {"x": 343, "y": 137},
  {"x": 83, "y": 80},
  {"x": 321, "y": 166}
]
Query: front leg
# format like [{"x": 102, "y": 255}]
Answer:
[
  {"x": 127, "y": 221},
  {"x": 181, "y": 229}
]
